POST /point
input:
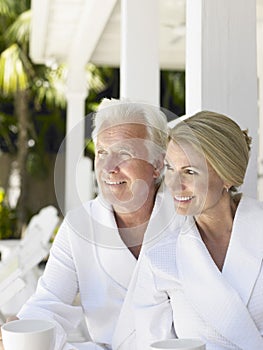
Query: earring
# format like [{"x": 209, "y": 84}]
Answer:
[{"x": 227, "y": 189}]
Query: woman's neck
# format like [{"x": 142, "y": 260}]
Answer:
[
  {"x": 215, "y": 228},
  {"x": 218, "y": 220}
]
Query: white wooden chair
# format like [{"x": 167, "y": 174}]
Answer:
[{"x": 25, "y": 257}]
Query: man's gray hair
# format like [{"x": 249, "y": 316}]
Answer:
[{"x": 113, "y": 112}]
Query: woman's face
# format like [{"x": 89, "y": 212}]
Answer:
[{"x": 195, "y": 186}]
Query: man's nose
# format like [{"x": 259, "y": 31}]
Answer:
[{"x": 111, "y": 164}]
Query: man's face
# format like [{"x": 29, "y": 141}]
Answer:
[{"x": 124, "y": 175}]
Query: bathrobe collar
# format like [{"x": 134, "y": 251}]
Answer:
[
  {"x": 245, "y": 251},
  {"x": 113, "y": 255},
  {"x": 221, "y": 298},
  {"x": 163, "y": 221}
]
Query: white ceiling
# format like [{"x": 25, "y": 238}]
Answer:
[
  {"x": 171, "y": 36},
  {"x": 61, "y": 28},
  {"x": 57, "y": 24}
]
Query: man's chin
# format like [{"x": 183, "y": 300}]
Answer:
[
  {"x": 123, "y": 205},
  {"x": 127, "y": 201}
]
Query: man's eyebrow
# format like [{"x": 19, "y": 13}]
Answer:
[
  {"x": 126, "y": 147},
  {"x": 99, "y": 144}
]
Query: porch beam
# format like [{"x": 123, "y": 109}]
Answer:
[{"x": 95, "y": 16}]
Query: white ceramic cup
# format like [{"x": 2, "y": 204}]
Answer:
[
  {"x": 179, "y": 344},
  {"x": 28, "y": 335}
]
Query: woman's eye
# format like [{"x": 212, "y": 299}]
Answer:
[{"x": 190, "y": 172}]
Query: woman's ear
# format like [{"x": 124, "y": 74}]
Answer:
[{"x": 227, "y": 187}]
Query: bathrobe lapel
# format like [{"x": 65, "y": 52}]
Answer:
[
  {"x": 95, "y": 223},
  {"x": 245, "y": 252},
  {"x": 220, "y": 298},
  {"x": 112, "y": 254},
  {"x": 162, "y": 221}
]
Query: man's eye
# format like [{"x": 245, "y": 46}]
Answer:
[
  {"x": 126, "y": 154},
  {"x": 101, "y": 153},
  {"x": 168, "y": 166}
]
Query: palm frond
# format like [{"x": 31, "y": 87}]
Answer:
[
  {"x": 94, "y": 78},
  {"x": 50, "y": 88},
  {"x": 13, "y": 76},
  {"x": 6, "y": 9},
  {"x": 20, "y": 29},
  {"x": 13, "y": 7}
]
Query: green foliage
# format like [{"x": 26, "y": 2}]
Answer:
[
  {"x": 13, "y": 75},
  {"x": 37, "y": 165},
  {"x": 18, "y": 31},
  {"x": 173, "y": 91},
  {"x": 48, "y": 87},
  {"x": 8, "y": 127},
  {"x": 15, "y": 66},
  {"x": 6, "y": 16},
  {"x": 103, "y": 82},
  {"x": 7, "y": 218},
  {"x": 5, "y": 9}
]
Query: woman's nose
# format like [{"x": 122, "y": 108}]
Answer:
[{"x": 174, "y": 182}]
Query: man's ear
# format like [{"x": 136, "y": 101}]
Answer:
[
  {"x": 156, "y": 173},
  {"x": 158, "y": 167}
]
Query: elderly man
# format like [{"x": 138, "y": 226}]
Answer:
[{"x": 97, "y": 249}]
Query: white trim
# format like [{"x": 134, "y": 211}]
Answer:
[{"x": 39, "y": 25}]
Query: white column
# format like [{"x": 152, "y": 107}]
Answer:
[
  {"x": 78, "y": 170},
  {"x": 221, "y": 66},
  {"x": 260, "y": 104},
  {"x": 139, "y": 68}
]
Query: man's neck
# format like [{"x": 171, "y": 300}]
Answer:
[
  {"x": 132, "y": 226},
  {"x": 138, "y": 217}
]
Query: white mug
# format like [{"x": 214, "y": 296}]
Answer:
[
  {"x": 179, "y": 344},
  {"x": 28, "y": 334}
]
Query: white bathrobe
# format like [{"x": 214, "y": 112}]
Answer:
[
  {"x": 180, "y": 289},
  {"x": 89, "y": 257}
]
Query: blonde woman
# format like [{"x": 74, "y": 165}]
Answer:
[{"x": 206, "y": 279}]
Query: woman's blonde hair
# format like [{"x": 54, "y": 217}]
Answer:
[{"x": 225, "y": 146}]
